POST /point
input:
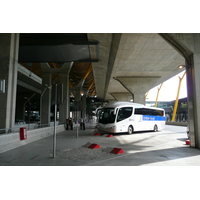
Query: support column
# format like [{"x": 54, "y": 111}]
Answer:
[
  {"x": 9, "y": 45},
  {"x": 64, "y": 107},
  {"x": 139, "y": 98},
  {"x": 188, "y": 45},
  {"x": 193, "y": 92},
  {"x": 45, "y": 107},
  {"x": 138, "y": 85}
]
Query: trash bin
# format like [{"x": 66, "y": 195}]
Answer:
[{"x": 23, "y": 133}]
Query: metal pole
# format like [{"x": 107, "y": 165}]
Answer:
[
  {"x": 41, "y": 106},
  {"x": 29, "y": 117},
  {"x": 77, "y": 129},
  {"x": 55, "y": 116},
  {"x": 177, "y": 97},
  {"x": 77, "y": 120}
]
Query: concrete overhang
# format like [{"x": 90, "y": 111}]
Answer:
[
  {"x": 134, "y": 55},
  {"x": 120, "y": 55}
]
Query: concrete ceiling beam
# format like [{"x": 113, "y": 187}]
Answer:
[
  {"x": 28, "y": 73},
  {"x": 138, "y": 84},
  {"x": 122, "y": 96},
  {"x": 27, "y": 86}
]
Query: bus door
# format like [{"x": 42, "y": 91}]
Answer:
[{"x": 123, "y": 118}]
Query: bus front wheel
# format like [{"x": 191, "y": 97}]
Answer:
[
  {"x": 155, "y": 128},
  {"x": 130, "y": 130}
]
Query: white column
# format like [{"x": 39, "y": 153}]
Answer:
[
  {"x": 9, "y": 45},
  {"x": 64, "y": 107},
  {"x": 193, "y": 92}
]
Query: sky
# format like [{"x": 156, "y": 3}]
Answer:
[{"x": 168, "y": 91}]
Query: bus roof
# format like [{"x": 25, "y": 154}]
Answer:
[{"x": 123, "y": 103}]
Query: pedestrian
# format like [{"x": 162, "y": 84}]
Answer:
[
  {"x": 71, "y": 123},
  {"x": 67, "y": 124},
  {"x": 82, "y": 124}
]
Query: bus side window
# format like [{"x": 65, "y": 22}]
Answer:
[
  {"x": 120, "y": 115},
  {"x": 138, "y": 111},
  {"x": 124, "y": 113}
]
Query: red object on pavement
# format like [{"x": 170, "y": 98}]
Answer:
[
  {"x": 94, "y": 146},
  {"x": 187, "y": 142},
  {"x": 117, "y": 151},
  {"x": 109, "y": 135},
  {"x": 23, "y": 133}
]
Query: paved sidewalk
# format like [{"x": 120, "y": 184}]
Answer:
[{"x": 165, "y": 148}]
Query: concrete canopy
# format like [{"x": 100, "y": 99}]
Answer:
[
  {"x": 142, "y": 55},
  {"x": 132, "y": 55}
]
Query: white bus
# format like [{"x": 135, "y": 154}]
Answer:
[{"x": 118, "y": 117}]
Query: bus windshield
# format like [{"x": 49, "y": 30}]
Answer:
[{"x": 107, "y": 116}]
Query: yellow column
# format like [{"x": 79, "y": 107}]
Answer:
[
  {"x": 177, "y": 97},
  {"x": 158, "y": 95},
  {"x": 91, "y": 84},
  {"x": 146, "y": 95},
  {"x": 88, "y": 71}
]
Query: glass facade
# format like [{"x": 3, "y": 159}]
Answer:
[{"x": 182, "y": 110}]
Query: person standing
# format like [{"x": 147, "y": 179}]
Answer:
[
  {"x": 67, "y": 124},
  {"x": 82, "y": 124},
  {"x": 71, "y": 123}
]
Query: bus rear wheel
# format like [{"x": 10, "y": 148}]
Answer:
[
  {"x": 130, "y": 130},
  {"x": 155, "y": 128}
]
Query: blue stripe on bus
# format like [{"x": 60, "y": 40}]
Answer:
[{"x": 153, "y": 118}]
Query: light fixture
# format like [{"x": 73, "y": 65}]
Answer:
[
  {"x": 181, "y": 66},
  {"x": 2, "y": 85}
]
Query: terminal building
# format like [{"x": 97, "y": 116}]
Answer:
[
  {"x": 168, "y": 106},
  {"x": 47, "y": 78}
]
